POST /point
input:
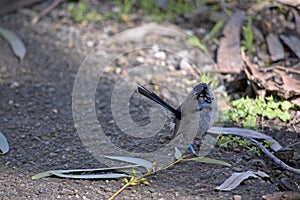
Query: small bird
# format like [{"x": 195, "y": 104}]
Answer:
[{"x": 197, "y": 112}]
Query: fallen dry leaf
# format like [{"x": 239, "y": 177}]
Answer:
[
  {"x": 237, "y": 178},
  {"x": 294, "y": 3},
  {"x": 228, "y": 58},
  {"x": 292, "y": 42},
  {"x": 275, "y": 47}
]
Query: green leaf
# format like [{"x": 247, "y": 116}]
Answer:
[
  {"x": 250, "y": 121},
  {"x": 270, "y": 98},
  {"x": 272, "y": 104},
  {"x": 208, "y": 160},
  {"x": 270, "y": 113},
  {"x": 197, "y": 43},
  {"x": 137, "y": 161},
  {"x": 4, "y": 147},
  {"x": 213, "y": 31},
  {"x": 286, "y": 105},
  {"x": 285, "y": 116}
]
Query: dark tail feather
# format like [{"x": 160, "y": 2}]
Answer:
[{"x": 151, "y": 95}]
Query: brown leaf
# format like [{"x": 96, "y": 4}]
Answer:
[
  {"x": 237, "y": 178},
  {"x": 275, "y": 47},
  {"x": 228, "y": 58},
  {"x": 294, "y": 3},
  {"x": 292, "y": 42}
]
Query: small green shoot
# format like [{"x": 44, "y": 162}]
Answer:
[
  {"x": 152, "y": 11},
  {"x": 247, "y": 110},
  {"x": 226, "y": 141},
  {"x": 248, "y": 42},
  {"x": 80, "y": 13},
  {"x": 209, "y": 77},
  {"x": 195, "y": 41},
  {"x": 125, "y": 8},
  {"x": 217, "y": 27}
]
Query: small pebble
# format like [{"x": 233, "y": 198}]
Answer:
[
  {"x": 160, "y": 55},
  {"x": 90, "y": 43},
  {"x": 14, "y": 85},
  {"x": 140, "y": 59},
  {"x": 54, "y": 111},
  {"x": 237, "y": 197}
]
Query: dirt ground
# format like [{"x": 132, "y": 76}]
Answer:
[{"x": 36, "y": 117}]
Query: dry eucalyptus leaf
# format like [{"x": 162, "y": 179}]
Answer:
[
  {"x": 292, "y": 42},
  {"x": 15, "y": 42},
  {"x": 295, "y": 3},
  {"x": 228, "y": 58},
  {"x": 275, "y": 47},
  {"x": 237, "y": 178},
  {"x": 4, "y": 147}
]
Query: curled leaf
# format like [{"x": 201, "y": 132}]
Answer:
[{"x": 237, "y": 178}]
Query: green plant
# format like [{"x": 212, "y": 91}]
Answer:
[
  {"x": 247, "y": 42},
  {"x": 152, "y": 11},
  {"x": 247, "y": 110},
  {"x": 125, "y": 8},
  {"x": 255, "y": 150},
  {"x": 195, "y": 41},
  {"x": 80, "y": 13},
  {"x": 209, "y": 77},
  {"x": 217, "y": 27},
  {"x": 225, "y": 141}
]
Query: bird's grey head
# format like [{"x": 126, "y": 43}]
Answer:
[{"x": 203, "y": 91}]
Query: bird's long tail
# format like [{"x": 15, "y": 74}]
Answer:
[{"x": 151, "y": 95}]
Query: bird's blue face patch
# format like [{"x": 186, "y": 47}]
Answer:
[{"x": 201, "y": 105}]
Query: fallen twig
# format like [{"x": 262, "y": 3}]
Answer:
[
  {"x": 250, "y": 134},
  {"x": 46, "y": 11},
  {"x": 274, "y": 158}
]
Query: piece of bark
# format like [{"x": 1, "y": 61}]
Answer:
[
  {"x": 228, "y": 56},
  {"x": 292, "y": 42},
  {"x": 289, "y": 87},
  {"x": 275, "y": 47},
  {"x": 294, "y": 3}
]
